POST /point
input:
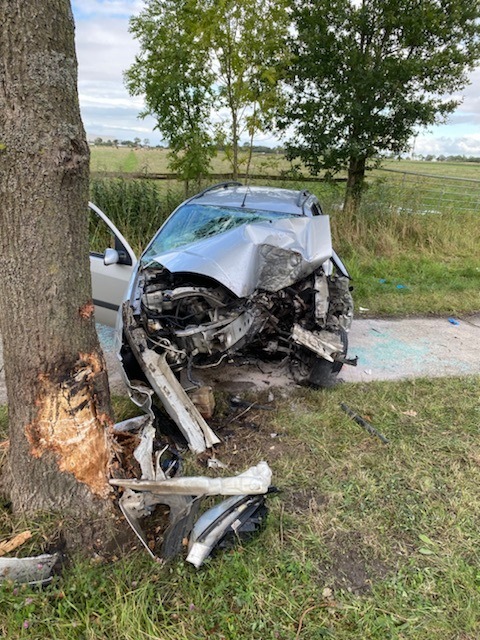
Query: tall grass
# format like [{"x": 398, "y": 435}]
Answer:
[
  {"x": 392, "y": 220},
  {"x": 137, "y": 207}
]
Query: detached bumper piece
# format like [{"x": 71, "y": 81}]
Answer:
[
  {"x": 219, "y": 527},
  {"x": 242, "y": 514}
]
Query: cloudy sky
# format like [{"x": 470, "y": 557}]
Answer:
[{"x": 105, "y": 49}]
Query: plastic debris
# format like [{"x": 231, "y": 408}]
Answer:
[
  {"x": 254, "y": 480},
  {"x": 215, "y": 463},
  {"x": 36, "y": 570},
  {"x": 235, "y": 517},
  {"x": 453, "y": 321}
]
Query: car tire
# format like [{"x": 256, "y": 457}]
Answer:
[{"x": 324, "y": 373}]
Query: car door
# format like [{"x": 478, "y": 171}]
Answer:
[{"x": 111, "y": 264}]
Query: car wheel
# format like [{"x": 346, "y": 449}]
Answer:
[{"x": 324, "y": 373}]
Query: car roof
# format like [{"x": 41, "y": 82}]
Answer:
[{"x": 253, "y": 197}]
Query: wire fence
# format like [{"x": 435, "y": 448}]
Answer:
[
  {"x": 399, "y": 191},
  {"x": 425, "y": 193}
]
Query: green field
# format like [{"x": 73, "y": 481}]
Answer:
[{"x": 156, "y": 161}]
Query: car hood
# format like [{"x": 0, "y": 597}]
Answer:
[{"x": 266, "y": 255}]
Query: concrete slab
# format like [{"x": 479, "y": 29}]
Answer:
[{"x": 413, "y": 347}]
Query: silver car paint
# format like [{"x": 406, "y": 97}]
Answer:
[
  {"x": 266, "y": 255},
  {"x": 109, "y": 281}
]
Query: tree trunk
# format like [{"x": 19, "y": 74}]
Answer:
[
  {"x": 355, "y": 184},
  {"x": 234, "y": 144},
  {"x": 59, "y": 403}
]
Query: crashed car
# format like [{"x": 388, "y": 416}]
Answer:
[{"x": 235, "y": 271}]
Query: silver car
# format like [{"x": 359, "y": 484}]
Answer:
[{"x": 235, "y": 271}]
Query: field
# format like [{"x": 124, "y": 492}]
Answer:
[
  {"x": 413, "y": 250},
  {"x": 156, "y": 161}
]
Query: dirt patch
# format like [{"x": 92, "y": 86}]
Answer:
[
  {"x": 353, "y": 565},
  {"x": 303, "y": 501},
  {"x": 248, "y": 433}
]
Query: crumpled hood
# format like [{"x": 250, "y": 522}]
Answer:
[{"x": 266, "y": 255}]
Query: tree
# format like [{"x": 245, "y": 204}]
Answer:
[
  {"x": 200, "y": 58},
  {"x": 246, "y": 41},
  {"x": 367, "y": 74},
  {"x": 58, "y": 397},
  {"x": 172, "y": 73}
]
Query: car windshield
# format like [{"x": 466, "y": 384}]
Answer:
[{"x": 194, "y": 222}]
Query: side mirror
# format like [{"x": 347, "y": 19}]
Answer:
[{"x": 111, "y": 257}]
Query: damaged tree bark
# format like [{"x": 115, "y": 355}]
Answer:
[{"x": 59, "y": 404}]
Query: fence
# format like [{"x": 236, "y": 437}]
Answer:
[
  {"x": 425, "y": 193},
  {"x": 402, "y": 191}
]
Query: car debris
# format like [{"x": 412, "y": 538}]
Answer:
[
  {"x": 236, "y": 515},
  {"x": 363, "y": 423},
  {"x": 254, "y": 480},
  {"x": 167, "y": 387},
  {"x": 35, "y": 570},
  {"x": 161, "y": 483}
]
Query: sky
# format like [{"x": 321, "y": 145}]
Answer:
[{"x": 105, "y": 49}]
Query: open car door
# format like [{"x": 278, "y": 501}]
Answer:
[{"x": 111, "y": 264}]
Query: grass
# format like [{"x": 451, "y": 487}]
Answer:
[
  {"x": 364, "y": 540},
  {"x": 156, "y": 161}
]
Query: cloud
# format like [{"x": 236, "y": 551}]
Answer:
[
  {"x": 449, "y": 146},
  {"x": 105, "y": 50},
  {"x": 96, "y": 8}
]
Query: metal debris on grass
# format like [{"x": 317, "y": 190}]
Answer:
[{"x": 363, "y": 423}]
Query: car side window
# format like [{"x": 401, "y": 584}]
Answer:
[{"x": 100, "y": 235}]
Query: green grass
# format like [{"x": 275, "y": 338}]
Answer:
[
  {"x": 364, "y": 540},
  {"x": 156, "y": 161}
]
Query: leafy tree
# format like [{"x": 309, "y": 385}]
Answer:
[
  {"x": 203, "y": 56},
  {"x": 58, "y": 397},
  {"x": 173, "y": 74},
  {"x": 245, "y": 40},
  {"x": 367, "y": 74}
]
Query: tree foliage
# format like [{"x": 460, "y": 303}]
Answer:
[
  {"x": 208, "y": 70},
  {"x": 171, "y": 71},
  {"x": 367, "y": 74}
]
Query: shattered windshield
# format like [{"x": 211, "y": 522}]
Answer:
[{"x": 195, "y": 221}]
